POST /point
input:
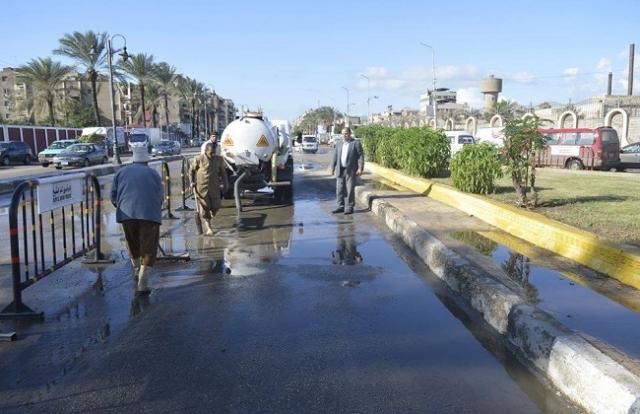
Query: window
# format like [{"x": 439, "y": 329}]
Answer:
[
  {"x": 552, "y": 139},
  {"x": 568, "y": 138},
  {"x": 609, "y": 136},
  {"x": 586, "y": 138},
  {"x": 4, "y": 79}
]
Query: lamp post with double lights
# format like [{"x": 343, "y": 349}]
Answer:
[
  {"x": 433, "y": 94},
  {"x": 125, "y": 56}
]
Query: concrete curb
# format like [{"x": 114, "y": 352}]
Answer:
[
  {"x": 578, "y": 245},
  {"x": 586, "y": 375}
]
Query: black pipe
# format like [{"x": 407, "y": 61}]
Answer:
[{"x": 236, "y": 191}]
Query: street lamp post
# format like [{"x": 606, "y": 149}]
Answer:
[
  {"x": 433, "y": 94},
  {"x": 347, "y": 89},
  {"x": 368, "y": 98},
  {"x": 125, "y": 56}
]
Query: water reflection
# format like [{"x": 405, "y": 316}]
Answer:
[
  {"x": 518, "y": 269},
  {"x": 346, "y": 252},
  {"x": 138, "y": 305}
]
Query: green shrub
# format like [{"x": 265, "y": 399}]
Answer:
[
  {"x": 388, "y": 148},
  {"x": 423, "y": 152},
  {"x": 475, "y": 168},
  {"x": 370, "y": 136}
]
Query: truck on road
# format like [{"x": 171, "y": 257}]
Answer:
[
  {"x": 104, "y": 136},
  {"x": 258, "y": 154}
]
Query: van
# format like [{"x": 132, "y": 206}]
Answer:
[
  {"x": 580, "y": 148},
  {"x": 458, "y": 139}
]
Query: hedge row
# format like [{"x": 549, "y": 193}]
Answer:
[
  {"x": 419, "y": 151},
  {"x": 425, "y": 152}
]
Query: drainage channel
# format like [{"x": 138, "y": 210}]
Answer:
[{"x": 581, "y": 298}]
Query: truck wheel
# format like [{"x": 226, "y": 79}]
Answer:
[
  {"x": 575, "y": 165},
  {"x": 283, "y": 194}
]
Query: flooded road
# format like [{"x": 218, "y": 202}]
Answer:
[{"x": 289, "y": 309}]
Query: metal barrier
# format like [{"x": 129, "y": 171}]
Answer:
[
  {"x": 72, "y": 203},
  {"x": 187, "y": 190},
  {"x": 37, "y": 251}
]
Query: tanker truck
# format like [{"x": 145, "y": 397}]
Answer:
[{"x": 257, "y": 154}]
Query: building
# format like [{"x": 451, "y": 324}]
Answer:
[
  {"x": 446, "y": 100},
  {"x": 74, "y": 90},
  {"x": 621, "y": 112},
  {"x": 14, "y": 95}
]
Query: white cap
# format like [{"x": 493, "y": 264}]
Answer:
[{"x": 140, "y": 153}]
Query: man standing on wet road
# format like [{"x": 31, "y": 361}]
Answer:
[
  {"x": 347, "y": 164},
  {"x": 207, "y": 173},
  {"x": 137, "y": 194}
]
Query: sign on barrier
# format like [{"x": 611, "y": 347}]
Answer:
[{"x": 56, "y": 192}]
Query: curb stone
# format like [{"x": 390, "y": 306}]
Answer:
[{"x": 586, "y": 375}]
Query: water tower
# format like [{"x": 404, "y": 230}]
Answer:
[{"x": 491, "y": 88}]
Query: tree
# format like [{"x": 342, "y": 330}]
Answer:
[
  {"x": 45, "y": 77},
  {"x": 506, "y": 109},
  {"x": 523, "y": 140},
  {"x": 142, "y": 68},
  {"x": 89, "y": 51},
  {"x": 190, "y": 91},
  {"x": 167, "y": 78},
  {"x": 153, "y": 99}
]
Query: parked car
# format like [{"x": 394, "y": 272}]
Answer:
[
  {"x": 80, "y": 155},
  {"x": 196, "y": 142},
  {"x": 166, "y": 147},
  {"x": 46, "y": 157},
  {"x": 334, "y": 139},
  {"x": 579, "y": 148},
  {"x": 309, "y": 144},
  {"x": 629, "y": 157},
  {"x": 458, "y": 139},
  {"x": 15, "y": 151}
]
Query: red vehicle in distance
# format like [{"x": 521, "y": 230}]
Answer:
[{"x": 580, "y": 148}]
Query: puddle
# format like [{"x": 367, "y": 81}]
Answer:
[{"x": 565, "y": 294}]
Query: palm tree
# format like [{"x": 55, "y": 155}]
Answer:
[
  {"x": 88, "y": 50},
  {"x": 166, "y": 77},
  {"x": 153, "y": 97},
  {"x": 191, "y": 90},
  {"x": 142, "y": 69},
  {"x": 44, "y": 77}
]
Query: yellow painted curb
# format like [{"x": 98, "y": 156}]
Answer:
[{"x": 575, "y": 244}]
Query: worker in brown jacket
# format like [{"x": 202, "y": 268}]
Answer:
[{"x": 207, "y": 173}]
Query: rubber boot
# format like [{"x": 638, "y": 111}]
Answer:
[
  {"x": 143, "y": 281},
  {"x": 136, "y": 267},
  {"x": 206, "y": 226}
]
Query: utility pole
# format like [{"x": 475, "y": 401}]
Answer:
[
  {"x": 348, "y": 105},
  {"x": 632, "y": 49},
  {"x": 368, "y": 97},
  {"x": 433, "y": 93}
]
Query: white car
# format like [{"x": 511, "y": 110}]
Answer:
[
  {"x": 458, "y": 139},
  {"x": 309, "y": 144}
]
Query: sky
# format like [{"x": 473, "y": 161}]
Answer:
[{"x": 288, "y": 56}]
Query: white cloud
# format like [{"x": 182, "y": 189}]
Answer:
[
  {"x": 522, "y": 77},
  {"x": 571, "y": 71},
  {"x": 471, "y": 96},
  {"x": 453, "y": 72},
  {"x": 376, "y": 72},
  {"x": 604, "y": 64}
]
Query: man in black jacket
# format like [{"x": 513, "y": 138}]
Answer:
[{"x": 347, "y": 164}]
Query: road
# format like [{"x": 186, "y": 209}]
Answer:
[{"x": 288, "y": 309}]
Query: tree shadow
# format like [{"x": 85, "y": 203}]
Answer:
[
  {"x": 507, "y": 189},
  {"x": 558, "y": 202}
]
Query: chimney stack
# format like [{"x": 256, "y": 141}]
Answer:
[
  {"x": 632, "y": 49},
  {"x": 609, "y": 82}
]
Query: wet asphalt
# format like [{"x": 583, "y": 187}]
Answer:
[{"x": 289, "y": 309}]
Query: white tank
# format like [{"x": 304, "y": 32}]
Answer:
[{"x": 248, "y": 140}]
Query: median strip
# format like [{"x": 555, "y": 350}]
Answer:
[{"x": 578, "y": 245}]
